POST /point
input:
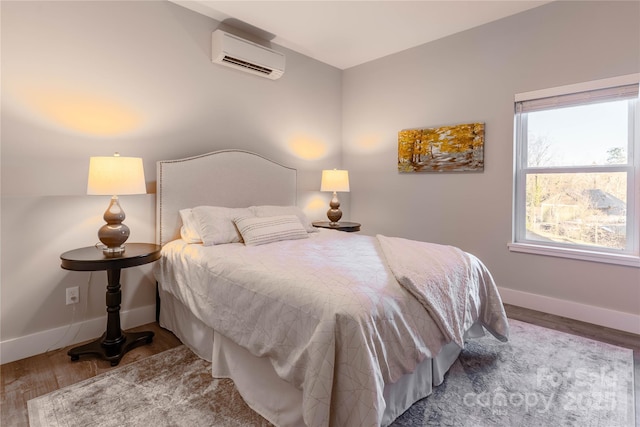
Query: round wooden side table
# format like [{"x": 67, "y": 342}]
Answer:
[{"x": 114, "y": 343}]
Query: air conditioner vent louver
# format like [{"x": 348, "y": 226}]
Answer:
[
  {"x": 245, "y": 64},
  {"x": 235, "y": 52}
]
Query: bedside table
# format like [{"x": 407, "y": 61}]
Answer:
[
  {"x": 114, "y": 343},
  {"x": 341, "y": 226}
]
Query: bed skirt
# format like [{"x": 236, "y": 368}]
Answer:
[{"x": 275, "y": 399}]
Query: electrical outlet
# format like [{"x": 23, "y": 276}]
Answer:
[{"x": 73, "y": 295}]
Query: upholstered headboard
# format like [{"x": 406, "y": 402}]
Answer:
[{"x": 229, "y": 178}]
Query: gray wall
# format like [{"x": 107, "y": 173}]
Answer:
[
  {"x": 83, "y": 79},
  {"x": 473, "y": 76}
]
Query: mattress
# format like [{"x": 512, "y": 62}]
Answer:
[{"x": 325, "y": 314}]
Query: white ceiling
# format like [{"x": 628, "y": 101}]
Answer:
[{"x": 349, "y": 33}]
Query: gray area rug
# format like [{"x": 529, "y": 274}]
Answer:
[{"x": 540, "y": 377}]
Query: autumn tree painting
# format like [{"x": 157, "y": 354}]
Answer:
[{"x": 442, "y": 149}]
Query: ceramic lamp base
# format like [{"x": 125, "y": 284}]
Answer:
[
  {"x": 334, "y": 214},
  {"x": 114, "y": 233}
]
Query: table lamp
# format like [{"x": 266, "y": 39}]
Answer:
[
  {"x": 113, "y": 176},
  {"x": 334, "y": 180}
]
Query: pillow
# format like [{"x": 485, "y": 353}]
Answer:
[
  {"x": 259, "y": 231},
  {"x": 190, "y": 230},
  {"x": 216, "y": 225},
  {"x": 268, "y": 210}
]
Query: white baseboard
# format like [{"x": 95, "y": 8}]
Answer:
[
  {"x": 51, "y": 339},
  {"x": 586, "y": 313}
]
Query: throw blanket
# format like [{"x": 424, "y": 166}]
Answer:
[{"x": 443, "y": 286}]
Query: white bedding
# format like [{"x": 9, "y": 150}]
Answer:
[
  {"x": 327, "y": 311},
  {"x": 443, "y": 288}
]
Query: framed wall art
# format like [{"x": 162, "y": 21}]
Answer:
[{"x": 458, "y": 148}]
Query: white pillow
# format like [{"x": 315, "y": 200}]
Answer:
[
  {"x": 216, "y": 225},
  {"x": 190, "y": 230},
  {"x": 269, "y": 210},
  {"x": 259, "y": 231}
]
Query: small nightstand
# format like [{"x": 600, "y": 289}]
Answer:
[
  {"x": 341, "y": 226},
  {"x": 114, "y": 343}
]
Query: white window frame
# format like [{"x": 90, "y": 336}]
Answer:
[{"x": 631, "y": 255}]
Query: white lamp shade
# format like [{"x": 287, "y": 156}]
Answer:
[
  {"x": 335, "y": 180},
  {"x": 112, "y": 176}
]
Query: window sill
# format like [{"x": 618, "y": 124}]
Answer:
[{"x": 583, "y": 255}]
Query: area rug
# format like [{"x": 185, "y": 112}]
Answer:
[{"x": 541, "y": 377}]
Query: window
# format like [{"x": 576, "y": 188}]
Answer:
[{"x": 577, "y": 172}]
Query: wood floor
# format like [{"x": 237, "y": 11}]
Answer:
[{"x": 34, "y": 376}]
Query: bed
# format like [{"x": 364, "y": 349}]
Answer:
[{"x": 315, "y": 327}]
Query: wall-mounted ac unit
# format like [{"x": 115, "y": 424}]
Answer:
[{"x": 241, "y": 54}]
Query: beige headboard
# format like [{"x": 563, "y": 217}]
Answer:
[{"x": 230, "y": 178}]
